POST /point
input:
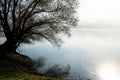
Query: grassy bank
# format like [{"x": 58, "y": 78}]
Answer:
[{"x": 12, "y": 70}]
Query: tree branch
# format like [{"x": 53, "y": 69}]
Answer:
[
  {"x": 24, "y": 11},
  {"x": 28, "y": 16},
  {"x": 38, "y": 24},
  {"x": 8, "y": 8}
]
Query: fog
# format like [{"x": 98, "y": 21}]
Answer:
[
  {"x": 94, "y": 45},
  {"x": 85, "y": 50}
]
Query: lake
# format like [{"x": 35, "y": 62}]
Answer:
[{"x": 91, "y": 52}]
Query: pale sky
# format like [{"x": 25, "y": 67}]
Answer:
[{"x": 102, "y": 13}]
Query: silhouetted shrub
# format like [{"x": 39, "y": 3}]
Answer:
[
  {"x": 38, "y": 62},
  {"x": 58, "y": 71}
]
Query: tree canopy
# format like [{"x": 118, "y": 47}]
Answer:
[{"x": 25, "y": 21}]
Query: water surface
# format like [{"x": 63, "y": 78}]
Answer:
[{"x": 87, "y": 50}]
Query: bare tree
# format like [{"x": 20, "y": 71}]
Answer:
[{"x": 25, "y": 21}]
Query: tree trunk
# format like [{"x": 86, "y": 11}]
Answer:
[{"x": 7, "y": 46}]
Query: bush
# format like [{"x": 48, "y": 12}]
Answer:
[
  {"x": 58, "y": 71},
  {"x": 38, "y": 62}
]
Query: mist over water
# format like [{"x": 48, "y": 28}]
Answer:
[
  {"x": 93, "y": 50},
  {"x": 85, "y": 50}
]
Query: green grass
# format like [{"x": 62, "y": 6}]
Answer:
[
  {"x": 26, "y": 76},
  {"x": 11, "y": 70}
]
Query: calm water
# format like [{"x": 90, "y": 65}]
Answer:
[{"x": 91, "y": 52}]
